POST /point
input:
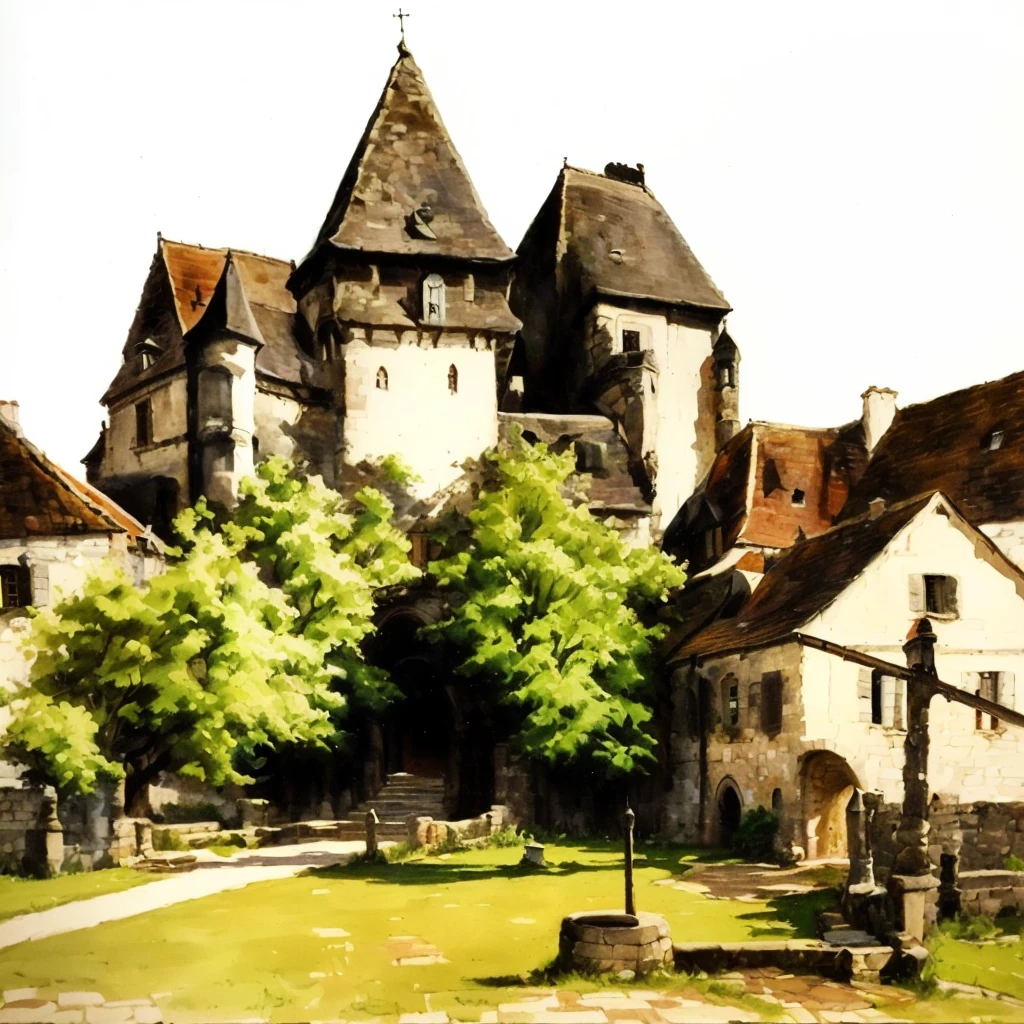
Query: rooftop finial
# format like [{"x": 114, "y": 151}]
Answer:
[{"x": 401, "y": 16}]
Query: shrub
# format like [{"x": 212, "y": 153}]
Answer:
[
  {"x": 1013, "y": 863},
  {"x": 168, "y": 839},
  {"x": 507, "y": 837},
  {"x": 754, "y": 839},
  {"x": 970, "y": 929}
]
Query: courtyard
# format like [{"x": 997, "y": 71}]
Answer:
[{"x": 467, "y": 936}]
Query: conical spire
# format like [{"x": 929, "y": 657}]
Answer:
[
  {"x": 406, "y": 190},
  {"x": 228, "y": 311}
]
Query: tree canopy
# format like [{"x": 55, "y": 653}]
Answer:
[
  {"x": 556, "y": 613},
  {"x": 249, "y": 640}
]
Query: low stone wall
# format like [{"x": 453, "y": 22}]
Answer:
[
  {"x": 843, "y": 963},
  {"x": 424, "y": 831},
  {"x": 612, "y": 942},
  {"x": 991, "y": 892},
  {"x": 980, "y": 835}
]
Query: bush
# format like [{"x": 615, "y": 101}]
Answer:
[
  {"x": 970, "y": 929},
  {"x": 507, "y": 837},
  {"x": 168, "y": 839},
  {"x": 754, "y": 839},
  {"x": 1013, "y": 863}
]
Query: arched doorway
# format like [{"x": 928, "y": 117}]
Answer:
[
  {"x": 827, "y": 783},
  {"x": 730, "y": 809}
]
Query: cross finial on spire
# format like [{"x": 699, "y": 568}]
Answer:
[{"x": 401, "y": 16}]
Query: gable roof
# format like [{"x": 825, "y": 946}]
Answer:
[
  {"x": 941, "y": 445},
  {"x": 404, "y": 159},
  {"x": 805, "y": 581},
  {"x": 38, "y": 498},
  {"x": 181, "y": 284},
  {"x": 749, "y": 490},
  {"x": 615, "y": 239}
]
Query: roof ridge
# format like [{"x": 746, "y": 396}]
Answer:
[
  {"x": 792, "y": 426},
  {"x": 225, "y": 249},
  {"x": 961, "y": 391}
]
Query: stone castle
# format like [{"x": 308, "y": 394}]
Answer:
[{"x": 411, "y": 330}]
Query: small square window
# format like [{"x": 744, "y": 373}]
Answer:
[
  {"x": 13, "y": 587},
  {"x": 630, "y": 341},
  {"x": 799, "y": 499},
  {"x": 940, "y": 595}
]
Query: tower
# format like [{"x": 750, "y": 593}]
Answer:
[{"x": 404, "y": 292}]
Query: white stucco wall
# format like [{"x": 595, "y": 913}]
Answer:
[
  {"x": 684, "y": 432},
  {"x": 1009, "y": 538},
  {"x": 416, "y": 418}
]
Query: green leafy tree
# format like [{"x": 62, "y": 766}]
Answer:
[
  {"x": 556, "y": 613},
  {"x": 241, "y": 646}
]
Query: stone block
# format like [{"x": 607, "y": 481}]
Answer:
[
  {"x": 990, "y": 907},
  {"x": 26, "y": 1011},
  {"x": 148, "y": 1015},
  {"x": 13, "y": 994}
]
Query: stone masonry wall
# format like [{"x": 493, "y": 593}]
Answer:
[{"x": 19, "y": 812}]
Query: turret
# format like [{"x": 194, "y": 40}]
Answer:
[
  {"x": 727, "y": 389},
  {"x": 221, "y": 358}
]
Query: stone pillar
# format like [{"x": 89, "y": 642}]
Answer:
[
  {"x": 912, "y": 880},
  {"x": 371, "y": 832},
  {"x": 861, "y": 877}
]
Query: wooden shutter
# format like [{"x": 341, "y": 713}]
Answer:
[
  {"x": 949, "y": 605},
  {"x": 917, "y": 598},
  {"x": 864, "y": 694},
  {"x": 1005, "y": 690},
  {"x": 900, "y": 717},
  {"x": 771, "y": 703}
]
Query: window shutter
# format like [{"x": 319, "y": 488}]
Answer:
[
  {"x": 39, "y": 584},
  {"x": 949, "y": 604},
  {"x": 771, "y": 703},
  {"x": 864, "y": 694},
  {"x": 900, "y": 710},
  {"x": 1005, "y": 691},
  {"x": 917, "y": 600}
]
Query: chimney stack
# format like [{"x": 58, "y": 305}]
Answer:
[
  {"x": 879, "y": 411},
  {"x": 9, "y": 414}
]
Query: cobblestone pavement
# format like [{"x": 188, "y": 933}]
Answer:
[
  {"x": 804, "y": 999},
  {"x": 214, "y": 874}
]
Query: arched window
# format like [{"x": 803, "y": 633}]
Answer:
[
  {"x": 433, "y": 300},
  {"x": 453, "y": 379},
  {"x": 382, "y": 379}
]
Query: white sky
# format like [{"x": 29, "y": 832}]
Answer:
[{"x": 851, "y": 175}]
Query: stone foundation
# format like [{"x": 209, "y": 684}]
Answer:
[
  {"x": 609, "y": 942},
  {"x": 425, "y": 831},
  {"x": 857, "y": 963}
]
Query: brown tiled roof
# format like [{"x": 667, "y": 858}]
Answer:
[
  {"x": 405, "y": 159},
  {"x": 749, "y": 490},
  {"x": 601, "y": 214},
  {"x": 38, "y": 498},
  {"x": 944, "y": 445},
  {"x": 805, "y": 581},
  {"x": 228, "y": 309},
  {"x": 178, "y": 291}
]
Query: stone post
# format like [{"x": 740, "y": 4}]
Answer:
[
  {"x": 54, "y": 832},
  {"x": 912, "y": 878},
  {"x": 371, "y": 832},
  {"x": 861, "y": 877}
]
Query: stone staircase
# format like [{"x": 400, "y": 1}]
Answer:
[{"x": 401, "y": 795}]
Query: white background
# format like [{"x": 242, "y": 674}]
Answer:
[{"x": 851, "y": 174}]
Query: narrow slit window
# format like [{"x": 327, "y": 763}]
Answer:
[
  {"x": 799, "y": 498},
  {"x": 143, "y": 423},
  {"x": 382, "y": 379},
  {"x": 453, "y": 379}
]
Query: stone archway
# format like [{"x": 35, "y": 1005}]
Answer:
[
  {"x": 729, "y": 804},
  {"x": 827, "y": 783}
]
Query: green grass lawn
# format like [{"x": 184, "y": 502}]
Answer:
[
  {"x": 999, "y": 967},
  {"x": 255, "y": 952},
  {"x": 27, "y": 895}
]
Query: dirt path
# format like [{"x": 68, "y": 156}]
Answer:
[{"x": 212, "y": 875}]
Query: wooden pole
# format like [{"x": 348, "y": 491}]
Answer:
[{"x": 627, "y": 820}]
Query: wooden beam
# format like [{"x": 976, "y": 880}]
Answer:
[{"x": 947, "y": 690}]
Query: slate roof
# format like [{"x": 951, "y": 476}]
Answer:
[
  {"x": 597, "y": 215},
  {"x": 944, "y": 445},
  {"x": 177, "y": 294},
  {"x": 39, "y": 499},
  {"x": 804, "y": 582},
  {"x": 749, "y": 490},
  {"x": 404, "y": 159}
]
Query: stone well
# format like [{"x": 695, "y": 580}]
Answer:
[{"x": 610, "y": 941}]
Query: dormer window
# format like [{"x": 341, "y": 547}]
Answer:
[
  {"x": 433, "y": 300},
  {"x": 630, "y": 341},
  {"x": 935, "y": 596},
  {"x": 993, "y": 440},
  {"x": 382, "y": 379},
  {"x": 148, "y": 352}
]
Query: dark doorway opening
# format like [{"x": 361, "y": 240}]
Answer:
[
  {"x": 419, "y": 731},
  {"x": 729, "y": 810}
]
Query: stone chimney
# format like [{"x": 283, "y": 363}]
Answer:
[
  {"x": 879, "y": 410},
  {"x": 9, "y": 414}
]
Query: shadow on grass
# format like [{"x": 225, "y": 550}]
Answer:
[{"x": 798, "y": 912}]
